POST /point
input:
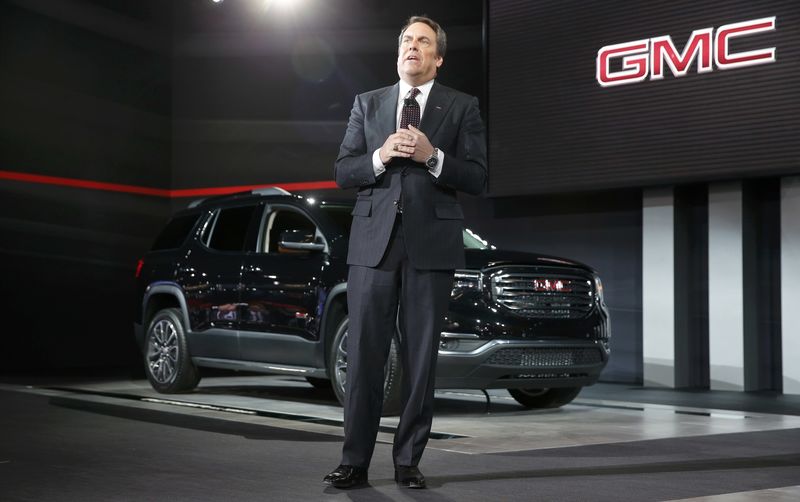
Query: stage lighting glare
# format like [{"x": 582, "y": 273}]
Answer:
[
  {"x": 217, "y": 1},
  {"x": 285, "y": 4}
]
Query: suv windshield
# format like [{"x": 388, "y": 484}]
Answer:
[
  {"x": 474, "y": 241},
  {"x": 341, "y": 215}
]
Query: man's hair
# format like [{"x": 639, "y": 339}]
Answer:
[{"x": 441, "y": 37}]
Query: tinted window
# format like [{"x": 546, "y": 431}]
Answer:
[
  {"x": 281, "y": 221},
  {"x": 175, "y": 233},
  {"x": 230, "y": 229}
]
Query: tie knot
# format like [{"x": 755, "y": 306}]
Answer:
[{"x": 413, "y": 93}]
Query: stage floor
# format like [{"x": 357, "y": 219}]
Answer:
[{"x": 612, "y": 443}]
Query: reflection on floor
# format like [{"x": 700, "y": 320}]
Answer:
[
  {"x": 787, "y": 494},
  {"x": 465, "y": 421}
]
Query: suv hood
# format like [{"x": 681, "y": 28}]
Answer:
[{"x": 477, "y": 259}]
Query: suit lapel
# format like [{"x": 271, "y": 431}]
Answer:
[
  {"x": 387, "y": 111},
  {"x": 435, "y": 110}
]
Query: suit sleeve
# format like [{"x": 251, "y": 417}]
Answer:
[
  {"x": 353, "y": 167},
  {"x": 465, "y": 169}
]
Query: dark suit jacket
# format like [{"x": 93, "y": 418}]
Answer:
[{"x": 432, "y": 216}]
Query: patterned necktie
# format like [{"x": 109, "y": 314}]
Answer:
[{"x": 410, "y": 112}]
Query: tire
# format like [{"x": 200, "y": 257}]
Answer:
[
  {"x": 337, "y": 368},
  {"x": 319, "y": 383},
  {"x": 545, "y": 398},
  {"x": 167, "y": 363}
]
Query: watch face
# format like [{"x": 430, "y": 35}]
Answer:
[{"x": 433, "y": 159}]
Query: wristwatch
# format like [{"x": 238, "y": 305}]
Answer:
[{"x": 431, "y": 161}]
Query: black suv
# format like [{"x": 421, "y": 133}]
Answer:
[{"x": 257, "y": 281}]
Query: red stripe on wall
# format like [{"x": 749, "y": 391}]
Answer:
[
  {"x": 159, "y": 192},
  {"x": 298, "y": 186}
]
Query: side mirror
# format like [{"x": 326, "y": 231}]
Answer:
[{"x": 298, "y": 240}]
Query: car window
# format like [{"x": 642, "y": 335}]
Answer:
[
  {"x": 207, "y": 228},
  {"x": 474, "y": 241},
  {"x": 340, "y": 214},
  {"x": 175, "y": 232},
  {"x": 282, "y": 220},
  {"x": 229, "y": 228}
]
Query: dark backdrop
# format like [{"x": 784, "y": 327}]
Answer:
[
  {"x": 85, "y": 93},
  {"x": 192, "y": 94},
  {"x": 165, "y": 95},
  {"x": 262, "y": 97}
]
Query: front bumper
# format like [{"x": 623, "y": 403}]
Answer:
[{"x": 507, "y": 364}]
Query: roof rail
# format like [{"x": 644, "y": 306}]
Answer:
[
  {"x": 258, "y": 191},
  {"x": 271, "y": 191}
]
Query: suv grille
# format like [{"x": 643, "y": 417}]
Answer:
[
  {"x": 554, "y": 357},
  {"x": 547, "y": 295}
]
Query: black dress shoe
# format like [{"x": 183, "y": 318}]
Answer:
[
  {"x": 409, "y": 476},
  {"x": 346, "y": 476}
]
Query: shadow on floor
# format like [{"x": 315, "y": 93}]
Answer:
[{"x": 200, "y": 423}]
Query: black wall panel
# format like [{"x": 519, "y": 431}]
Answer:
[
  {"x": 554, "y": 128},
  {"x": 79, "y": 104},
  {"x": 67, "y": 262}
]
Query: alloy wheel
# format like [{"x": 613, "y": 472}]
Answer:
[
  {"x": 340, "y": 366},
  {"x": 340, "y": 370},
  {"x": 162, "y": 351}
]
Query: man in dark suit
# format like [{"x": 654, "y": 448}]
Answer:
[{"x": 408, "y": 149}]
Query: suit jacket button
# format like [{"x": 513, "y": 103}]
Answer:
[{"x": 395, "y": 202}]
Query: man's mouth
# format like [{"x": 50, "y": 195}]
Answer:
[{"x": 412, "y": 57}]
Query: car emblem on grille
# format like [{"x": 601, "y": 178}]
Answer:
[{"x": 551, "y": 286}]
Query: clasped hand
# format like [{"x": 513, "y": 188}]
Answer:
[{"x": 406, "y": 143}]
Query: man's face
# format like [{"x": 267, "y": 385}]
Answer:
[{"x": 417, "y": 60}]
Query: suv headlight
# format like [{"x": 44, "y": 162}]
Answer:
[
  {"x": 598, "y": 287},
  {"x": 466, "y": 280}
]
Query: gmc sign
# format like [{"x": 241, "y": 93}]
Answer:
[{"x": 641, "y": 58}]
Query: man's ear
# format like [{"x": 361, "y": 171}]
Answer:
[{"x": 439, "y": 61}]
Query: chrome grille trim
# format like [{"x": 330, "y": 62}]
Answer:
[
  {"x": 545, "y": 357},
  {"x": 537, "y": 292}
]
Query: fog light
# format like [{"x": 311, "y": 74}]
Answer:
[
  {"x": 448, "y": 345},
  {"x": 459, "y": 342}
]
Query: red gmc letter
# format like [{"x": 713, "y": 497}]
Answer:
[
  {"x": 726, "y": 61},
  {"x": 634, "y": 63},
  {"x": 664, "y": 51},
  {"x": 655, "y": 53}
]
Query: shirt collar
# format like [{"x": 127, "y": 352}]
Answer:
[{"x": 424, "y": 89}]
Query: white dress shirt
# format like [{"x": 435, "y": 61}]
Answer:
[{"x": 422, "y": 99}]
